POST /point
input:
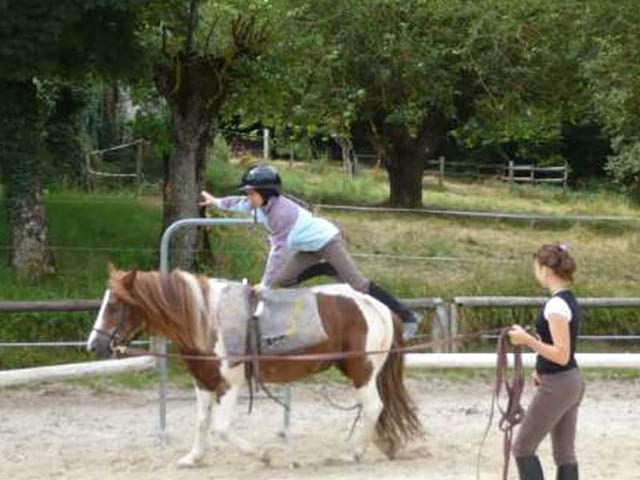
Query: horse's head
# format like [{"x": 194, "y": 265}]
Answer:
[{"x": 119, "y": 318}]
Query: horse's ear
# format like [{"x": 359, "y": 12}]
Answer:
[
  {"x": 111, "y": 268},
  {"x": 129, "y": 278}
]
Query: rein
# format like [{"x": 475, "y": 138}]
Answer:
[{"x": 303, "y": 357}]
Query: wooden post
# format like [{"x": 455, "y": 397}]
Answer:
[
  {"x": 510, "y": 171},
  {"x": 453, "y": 326},
  {"x": 441, "y": 161},
  {"x": 440, "y": 328},
  {"x": 87, "y": 168},
  {"x": 532, "y": 175},
  {"x": 265, "y": 145}
]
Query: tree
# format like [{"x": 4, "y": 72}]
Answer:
[
  {"x": 43, "y": 40},
  {"x": 204, "y": 52},
  {"x": 612, "y": 73},
  {"x": 416, "y": 72}
]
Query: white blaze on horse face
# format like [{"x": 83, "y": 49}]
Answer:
[{"x": 99, "y": 324}]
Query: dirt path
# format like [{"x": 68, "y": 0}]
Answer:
[{"x": 68, "y": 432}]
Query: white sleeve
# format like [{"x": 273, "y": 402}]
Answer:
[
  {"x": 559, "y": 307},
  {"x": 237, "y": 203}
]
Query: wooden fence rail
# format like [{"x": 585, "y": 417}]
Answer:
[
  {"x": 446, "y": 313},
  {"x": 509, "y": 172}
]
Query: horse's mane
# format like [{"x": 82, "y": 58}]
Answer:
[{"x": 175, "y": 305}]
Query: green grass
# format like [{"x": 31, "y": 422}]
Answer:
[{"x": 323, "y": 182}]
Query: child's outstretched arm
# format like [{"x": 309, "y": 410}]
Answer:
[{"x": 232, "y": 203}]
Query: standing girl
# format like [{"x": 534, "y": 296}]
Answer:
[{"x": 554, "y": 407}]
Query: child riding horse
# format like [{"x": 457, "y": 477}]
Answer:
[{"x": 302, "y": 245}]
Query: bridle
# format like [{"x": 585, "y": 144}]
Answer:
[{"x": 113, "y": 335}]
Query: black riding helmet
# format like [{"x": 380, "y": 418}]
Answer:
[{"x": 263, "y": 178}]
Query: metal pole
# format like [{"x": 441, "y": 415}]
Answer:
[{"x": 159, "y": 345}]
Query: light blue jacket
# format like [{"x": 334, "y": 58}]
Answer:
[{"x": 291, "y": 228}]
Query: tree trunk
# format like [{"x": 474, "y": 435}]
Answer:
[
  {"x": 405, "y": 155},
  {"x": 21, "y": 157},
  {"x": 405, "y": 170},
  {"x": 181, "y": 201},
  {"x": 346, "y": 151},
  {"x": 193, "y": 116},
  {"x": 196, "y": 86}
]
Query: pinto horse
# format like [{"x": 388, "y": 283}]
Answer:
[{"x": 184, "y": 308}]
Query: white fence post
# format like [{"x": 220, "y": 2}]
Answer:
[{"x": 265, "y": 146}]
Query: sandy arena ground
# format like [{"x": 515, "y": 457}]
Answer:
[{"x": 65, "y": 432}]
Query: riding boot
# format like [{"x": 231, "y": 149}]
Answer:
[
  {"x": 410, "y": 319},
  {"x": 317, "y": 270},
  {"x": 567, "y": 472},
  {"x": 529, "y": 468}
]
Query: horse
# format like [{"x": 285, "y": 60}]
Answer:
[{"x": 184, "y": 308}]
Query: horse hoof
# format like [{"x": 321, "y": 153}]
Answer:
[
  {"x": 387, "y": 447},
  {"x": 265, "y": 457},
  {"x": 355, "y": 457},
  {"x": 189, "y": 461}
]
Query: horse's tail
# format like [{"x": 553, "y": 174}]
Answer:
[{"x": 398, "y": 422}]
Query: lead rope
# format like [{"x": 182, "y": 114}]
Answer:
[{"x": 513, "y": 413}]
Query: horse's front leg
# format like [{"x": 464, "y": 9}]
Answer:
[
  {"x": 224, "y": 413},
  {"x": 204, "y": 400}
]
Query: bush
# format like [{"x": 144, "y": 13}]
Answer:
[
  {"x": 221, "y": 152},
  {"x": 625, "y": 167}
]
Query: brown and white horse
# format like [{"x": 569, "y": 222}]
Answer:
[{"x": 183, "y": 308}]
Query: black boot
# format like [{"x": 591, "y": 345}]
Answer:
[
  {"x": 408, "y": 317},
  {"x": 317, "y": 270},
  {"x": 567, "y": 472},
  {"x": 529, "y": 468}
]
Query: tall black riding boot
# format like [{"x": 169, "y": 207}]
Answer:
[
  {"x": 529, "y": 468},
  {"x": 317, "y": 270},
  {"x": 379, "y": 293},
  {"x": 567, "y": 472},
  {"x": 409, "y": 318}
]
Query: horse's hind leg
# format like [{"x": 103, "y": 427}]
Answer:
[
  {"x": 203, "y": 420},
  {"x": 371, "y": 405},
  {"x": 223, "y": 417}
]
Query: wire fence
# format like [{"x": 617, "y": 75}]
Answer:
[{"x": 356, "y": 254}]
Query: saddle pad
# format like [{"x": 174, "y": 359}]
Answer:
[
  {"x": 289, "y": 321},
  {"x": 233, "y": 317}
]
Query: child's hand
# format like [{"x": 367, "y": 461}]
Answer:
[{"x": 208, "y": 200}]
